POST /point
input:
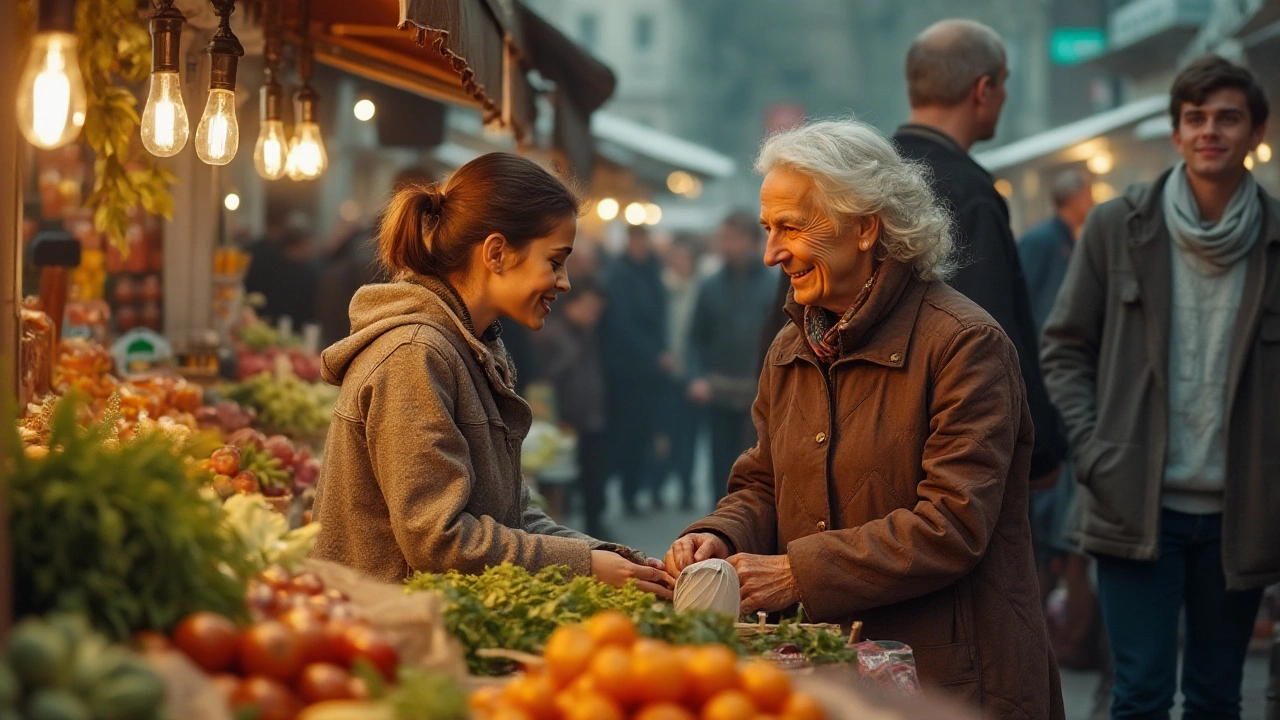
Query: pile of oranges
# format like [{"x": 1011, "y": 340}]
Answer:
[{"x": 602, "y": 670}]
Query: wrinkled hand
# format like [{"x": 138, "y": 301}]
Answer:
[
  {"x": 700, "y": 391},
  {"x": 1046, "y": 481},
  {"x": 612, "y": 568},
  {"x": 766, "y": 582},
  {"x": 694, "y": 548}
]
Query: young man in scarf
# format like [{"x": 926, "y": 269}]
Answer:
[{"x": 1163, "y": 355}]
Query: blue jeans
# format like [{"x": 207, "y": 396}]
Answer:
[{"x": 1141, "y": 602}]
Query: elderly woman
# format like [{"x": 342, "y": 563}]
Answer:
[{"x": 889, "y": 484}]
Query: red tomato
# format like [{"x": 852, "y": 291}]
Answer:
[
  {"x": 308, "y": 583},
  {"x": 311, "y": 633},
  {"x": 209, "y": 639},
  {"x": 362, "y": 641},
  {"x": 277, "y": 576},
  {"x": 325, "y": 681},
  {"x": 319, "y": 605},
  {"x": 261, "y": 599},
  {"x": 272, "y": 649},
  {"x": 272, "y": 699}
]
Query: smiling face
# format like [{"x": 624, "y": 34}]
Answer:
[
  {"x": 529, "y": 282},
  {"x": 1215, "y": 136},
  {"x": 828, "y": 265}
]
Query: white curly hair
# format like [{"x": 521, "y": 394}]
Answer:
[{"x": 857, "y": 172}]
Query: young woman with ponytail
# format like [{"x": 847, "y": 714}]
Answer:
[{"x": 422, "y": 461}]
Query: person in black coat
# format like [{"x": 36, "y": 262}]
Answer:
[
  {"x": 634, "y": 349},
  {"x": 956, "y": 72}
]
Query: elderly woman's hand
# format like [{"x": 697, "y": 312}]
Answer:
[
  {"x": 766, "y": 582},
  {"x": 694, "y": 548},
  {"x": 614, "y": 569}
]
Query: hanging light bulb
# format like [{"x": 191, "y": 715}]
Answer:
[
  {"x": 165, "y": 126},
  {"x": 51, "y": 98},
  {"x": 218, "y": 134},
  {"x": 271, "y": 152},
  {"x": 307, "y": 158}
]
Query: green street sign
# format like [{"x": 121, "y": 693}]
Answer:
[{"x": 1070, "y": 46}]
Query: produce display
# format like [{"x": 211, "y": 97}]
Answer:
[
  {"x": 286, "y": 403},
  {"x": 508, "y": 608},
  {"x": 604, "y": 670},
  {"x": 116, "y": 530},
  {"x": 57, "y": 668},
  {"x": 793, "y": 643},
  {"x": 304, "y": 646}
]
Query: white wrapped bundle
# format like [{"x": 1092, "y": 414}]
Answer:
[{"x": 709, "y": 585}]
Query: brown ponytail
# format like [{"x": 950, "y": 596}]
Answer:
[{"x": 431, "y": 230}]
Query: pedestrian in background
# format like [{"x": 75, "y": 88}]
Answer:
[
  {"x": 567, "y": 353},
  {"x": 956, "y": 72},
  {"x": 681, "y": 420},
  {"x": 634, "y": 337},
  {"x": 1163, "y": 353},
  {"x": 1045, "y": 250},
  {"x": 733, "y": 305}
]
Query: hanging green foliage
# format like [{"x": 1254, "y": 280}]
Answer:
[{"x": 115, "y": 54}]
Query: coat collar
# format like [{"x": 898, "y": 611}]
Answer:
[{"x": 880, "y": 332}]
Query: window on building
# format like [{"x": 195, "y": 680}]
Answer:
[
  {"x": 644, "y": 32},
  {"x": 588, "y": 30}
]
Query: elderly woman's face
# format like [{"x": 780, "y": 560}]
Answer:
[{"x": 828, "y": 266}]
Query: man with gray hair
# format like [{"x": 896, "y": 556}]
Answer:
[{"x": 956, "y": 72}]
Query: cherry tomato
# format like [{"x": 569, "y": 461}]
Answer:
[
  {"x": 261, "y": 599},
  {"x": 272, "y": 649},
  {"x": 311, "y": 632},
  {"x": 272, "y": 699},
  {"x": 277, "y": 576},
  {"x": 325, "y": 681},
  {"x": 319, "y": 605},
  {"x": 308, "y": 583},
  {"x": 226, "y": 460},
  {"x": 209, "y": 639},
  {"x": 362, "y": 641}
]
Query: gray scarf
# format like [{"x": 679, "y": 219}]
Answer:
[{"x": 1214, "y": 246}]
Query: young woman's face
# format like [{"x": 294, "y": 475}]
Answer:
[{"x": 525, "y": 290}]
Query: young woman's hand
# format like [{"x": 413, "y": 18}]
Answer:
[{"x": 612, "y": 568}]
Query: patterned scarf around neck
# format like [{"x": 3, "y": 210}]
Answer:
[{"x": 822, "y": 327}]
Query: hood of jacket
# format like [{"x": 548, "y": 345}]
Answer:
[{"x": 380, "y": 308}]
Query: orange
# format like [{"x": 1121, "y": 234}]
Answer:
[
  {"x": 658, "y": 673},
  {"x": 729, "y": 705},
  {"x": 664, "y": 711},
  {"x": 534, "y": 694},
  {"x": 612, "y": 628},
  {"x": 802, "y": 707},
  {"x": 568, "y": 653},
  {"x": 504, "y": 711},
  {"x": 610, "y": 670},
  {"x": 711, "y": 669},
  {"x": 590, "y": 706},
  {"x": 484, "y": 698},
  {"x": 767, "y": 685}
]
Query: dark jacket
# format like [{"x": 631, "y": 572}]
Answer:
[
  {"x": 633, "y": 331},
  {"x": 568, "y": 357},
  {"x": 898, "y": 490},
  {"x": 733, "y": 306},
  {"x": 1106, "y": 359},
  {"x": 422, "y": 462},
  {"x": 991, "y": 274},
  {"x": 1045, "y": 251}
]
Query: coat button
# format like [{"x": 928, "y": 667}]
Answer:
[
  {"x": 821, "y": 437},
  {"x": 896, "y": 357},
  {"x": 822, "y": 525}
]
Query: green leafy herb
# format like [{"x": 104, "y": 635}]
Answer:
[
  {"x": 507, "y": 607},
  {"x": 428, "y": 696},
  {"x": 117, "y": 531},
  {"x": 820, "y": 645}
]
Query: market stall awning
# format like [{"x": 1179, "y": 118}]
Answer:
[
  {"x": 634, "y": 145},
  {"x": 1066, "y": 136},
  {"x": 494, "y": 45}
]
